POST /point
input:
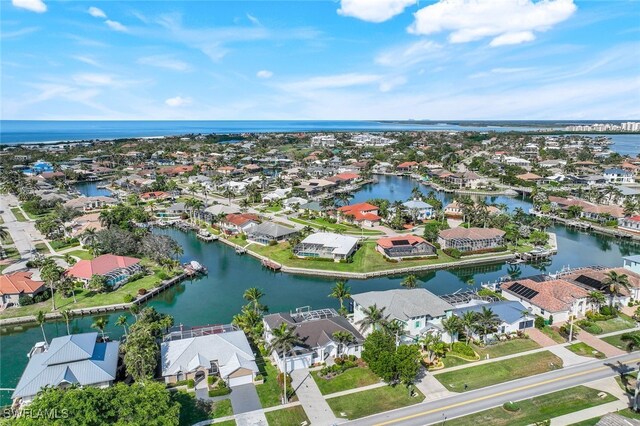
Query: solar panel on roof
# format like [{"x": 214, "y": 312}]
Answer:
[
  {"x": 523, "y": 291},
  {"x": 589, "y": 281},
  {"x": 399, "y": 242}
]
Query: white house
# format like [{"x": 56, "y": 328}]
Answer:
[
  {"x": 417, "y": 309},
  {"x": 629, "y": 223},
  {"x": 326, "y": 245},
  {"x": 315, "y": 335},
  {"x": 419, "y": 209},
  {"x": 617, "y": 175}
]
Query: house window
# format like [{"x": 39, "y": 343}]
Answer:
[{"x": 417, "y": 324}]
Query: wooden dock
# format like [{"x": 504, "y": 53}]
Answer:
[{"x": 271, "y": 265}]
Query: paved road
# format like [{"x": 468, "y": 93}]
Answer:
[
  {"x": 22, "y": 233},
  {"x": 493, "y": 396}
]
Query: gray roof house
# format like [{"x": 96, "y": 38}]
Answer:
[
  {"x": 266, "y": 232},
  {"x": 225, "y": 354},
  {"x": 418, "y": 309},
  {"x": 314, "y": 330},
  {"x": 77, "y": 359},
  {"x": 511, "y": 314}
]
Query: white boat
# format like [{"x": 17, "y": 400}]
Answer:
[
  {"x": 196, "y": 265},
  {"x": 37, "y": 349}
]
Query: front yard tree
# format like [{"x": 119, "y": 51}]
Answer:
[
  {"x": 375, "y": 345},
  {"x": 616, "y": 283},
  {"x": 406, "y": 361},
  {"x": 343, "y": 339}
]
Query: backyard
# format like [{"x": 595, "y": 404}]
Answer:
[
  {"x": 350, "y": 379},
  {"x": 536, "y": 409},
  {"x": 372, "y": 401},
  {"x": 499, "y": 371},
  {"x": 321, "y": 223}
]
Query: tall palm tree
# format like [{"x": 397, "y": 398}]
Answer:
[
  {"x": 433, "y": 344},
  {"x": 284, "y": 339},
  {"x": 487, "y": 322},
  {"x": 410, "y": 281},
  {"x": 451, "y": 326},
  {"x": 374, "y": 318},
  {"x": 41, "y": 319},
  {"x": 100, "y": 324},
  {"x": 4, "y": 232},
  {"x": 340, "y": 291},
  {"x": 616, "y": 283},
  {"x": 468, "y": 322},
  {"x": 632, "y": 340},
  {"x": 596, "y": 299},
  {"x": 135, "y": 310},
  {"x": 122, "y": 322},
  {"x": 253, "y": 296},
  {"x": 51, "y": 273},
  {"x": 66, "y": 316},
  {"x": 395, "y": 329},
  {"x": 343, "y": 339}
]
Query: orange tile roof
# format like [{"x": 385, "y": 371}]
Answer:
[
  {"x": 19, "y": 282},
  {"x": 411, "y": 240},
  {"x": 101, "y": 265},
  {"x": 359, "y": 207},
  {"x": 553, "y": 296}
]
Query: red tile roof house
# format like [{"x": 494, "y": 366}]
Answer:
[
  {"x": 404, "y": 247},
  {"x": 559, "y": 297},
  {"x": 471, "y": 239},
  {"x": 629, "y": 223},
  {"x": 117, "y": 269},
  {"x": 407, "y": 166},
  {"x": 14, "y": 286},
  {"x": 364, "y": 214},
  {"x": 155, "y": 195},
  {"x": 238, "y": 223}
]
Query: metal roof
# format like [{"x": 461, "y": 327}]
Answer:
[{"x": 404, "y": 304}]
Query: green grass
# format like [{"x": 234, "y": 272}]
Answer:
[
  {"x": 507, "y": 347},
  {"x": 585, "y": 350},
  {"x": 222, "y": 409},
  {"x": 350, "y": 379},
  {"x": 588, "y": 422},
  {"x": 81, "y": 254},
  {"x": 553, "y": 334},
  {"x": 492, "y": 373},
  {"x": 330, "y": 226},
  {"x": 7, "y": 240},
  {"x": 372, "y": 401},
  {"x": 621, "y": 322},
  {"x": 286, "y": 416},
  {"x": 616, "y": 340},
  {"x": 537, "y": 409},
  {"x": 18, "y": 214},
  {"x": 270, "y": 392},
  {"x": 226, "y": 423},
  {"x": 453, "y": 361},
  {"x": 86, "y": 298},
  {"x": 42, "y": 248},
  {"x": 273, "y": 209}
]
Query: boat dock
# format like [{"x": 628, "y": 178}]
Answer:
[
  {"x": 271, "y": 265},
  {"x": 207, "y": 236}
]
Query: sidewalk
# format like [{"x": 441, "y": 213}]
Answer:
[
  {"x": 600, "y": 345},
  {"x": 431, "y": 388},
  {"x": 312, "y": 401}
]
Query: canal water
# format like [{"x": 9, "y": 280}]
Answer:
[
  {"x": 218, "y": 296},
  {"x": 90, "y": 189}
]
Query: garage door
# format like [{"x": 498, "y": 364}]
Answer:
[{"x": 241, "y": 380}]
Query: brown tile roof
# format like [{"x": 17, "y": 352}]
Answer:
[
  {"x": 553, "y": 296},
  {"x": 407, "y": 240},
  {"x": 19, "y": 282},
  {"x": 471, "y": 233}
]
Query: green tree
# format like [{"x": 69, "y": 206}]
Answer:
[
  {"x": 374, "y": 318},
  {"x": 51, "y": 274},
  {"x": 377, "y": 343},
  {"x": 341, "y": 291},
  {"x": 284, "y": 339},
  {"x": 98, "y": 283},
  {"x": 41, "y": 318},
  {"x": 253, "y": 296},
  {"x": 406, "y": 361},
  {"x": 468, "y": 322},
  {"x": 343, "y": 339},
  {"x": 66, "y": 316},
  {"x": 122, "y": 322},
  {"x": 100, "y": 324},
  {"x": 632, "y": 340},
  {"x": 487, "y": 322},
  {"x": 452, "y": 326},
  {"x": 596, "y": 298},
  {"x": 410, "y": 281},
  {"x": 616, "y": 283}
]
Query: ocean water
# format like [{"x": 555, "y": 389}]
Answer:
[{"x": 26, "y": 131}]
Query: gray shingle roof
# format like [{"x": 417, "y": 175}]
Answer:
[
  {"x": 271, "y": 229},
  {"x": 316, "y": 332},
  {"x": 405, "y": 304}
]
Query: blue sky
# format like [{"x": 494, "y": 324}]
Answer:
[{"x": 349, "y": 59}]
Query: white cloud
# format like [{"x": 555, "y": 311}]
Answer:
[
  {"x": 253, "y": 19},
  {"x": 391, "y": 83},
  {"x": 18, "y": 33},
  {"x": 96, "y": 12},
  {"x": 373, "y": 10},
  {"x": 177, "y": 101},
  {"x": 89, "y": 79},
  {"x": 264, "y": 74},
  {"x": 37, "y": 6},
  {"x": 331, "y": 82},
  {"x": 407, "y": 55},
  {"x": 505, "y": 21},
  {"x": 116, "y": 26},
  {"x": 165, "y": 61},
  {"x": 87, "y": 60}
]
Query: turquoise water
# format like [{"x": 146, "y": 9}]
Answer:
[{"x": 90, "y": 189}]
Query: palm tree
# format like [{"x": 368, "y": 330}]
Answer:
[
  {"x": 410, "y": 281},
  {"x": 343, "y": 338},
  {"x": 374, "y": 318},
  {"x": 4, "y": 233},
  {"x": 394, "y": 329},
  {"x": 51, "y": 273},
  {"x": 451, "y": 326},
  {"x": 122, "y": 322},
  {"x": 41, "y": 319},
  {"x": 253, "y": 296},
  {"x": 340, "y": 291},
  {"x": 433, "y": 344},
  {"x": 100, "y": 324},
  {"x": 284, "y": 339},
  {"x": 66, "y": 316},
  {"x": 487, "y": 322},
  {"x": 616, "y": 283},
  {"x": 596, "y": 299},
  {"x": 135, "y": 310},
  {"x": 632, "y": 339},
  {"x": 468, "y": 323}
]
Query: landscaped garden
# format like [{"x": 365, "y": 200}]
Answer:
[
  {"x": 536, "y": 409},
  {"x": 618, "y": 323},
  {"x": 372, "y": 401},
  {"x": 492, "y": 373},
  {"x": 351, "y": 378}
]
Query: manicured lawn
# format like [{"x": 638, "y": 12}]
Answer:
[
  {"x": 270, "y": 392},
  {"x": 506, "y": 348},
  {"x": 536, "y": 409},
  {"x": 372, "y": 401},
  {"x": 453, "y": 361},
  {"x": 18, "y": 214},
  {"x": 42, "y": 248},
  {"x": 287, "y": 416},
  {"x": 86, "y": 298},
  {"x": 553, "y": 333},
  {"x": 622, "y": 322},
  {"x": 585, "y": 350},
  {"x": 498, "y": 372},
  {"x": 323, "y": 223},
  {"x": 222, "y": 409},
  {"x": 350, "y": 379},
  {"x": 616, "y": 340},
  {"x": 82, "y": 254},
  {"x": 273, "y": 209},
  {"x": 61, "y": 244},
  {"x": 226, "y": 423}
]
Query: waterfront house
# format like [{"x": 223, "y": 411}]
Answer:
[
  {"x": 407, "y": 166},
  {"x": 294, "y": 203},
  {"x": 419, "y": 210},
  {"x": 631, "y": 223},
  {"x": 618, "y": 175},
  {"x": 221, "y": 209},
  {"x": 468, "y": 179},
  {"x": 268, "y": 232},
  {"x": 404, "y": 247},
  {"x": 471, "y": 239},
  {"x": 530, "y": 177},
  {"x": 418, "y": 310},
  {"x": 513, "y": 316},
  {"x": 239, "y": 223},
  {"x": 316, "y": 186},
  {"x": 77, "y": 359},
  {"x": 116, "y": 269},
  {"x": 594, "y": 279},
  {"x": 314, "y": 331},
  {"x": 155, "y": 195},
  {"x": 209, "y": 351},
  {"x": 556, "y": 297},
  {"x": 16, "y": 285},
  {"x": 277, "y": 194},
  {"x": 326, "y": 245},
  {"x": 77, "y": 226},
  {"x": 364, "y": 214},
  {"x": 453, "y": 210},
  {"x": 87, "y": 204},
  {"x": 632, "y": 263}
]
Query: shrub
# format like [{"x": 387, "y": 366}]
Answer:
[
  {"x": 608, "y": 311},
  {"x": 25, "y": 300},
  {"x": 142, "y": 291},
  {"x": 463, "y": 349},
  {"x": 586, "y": 325},
  {"x": 210, "y": 380},
  {"x": 550, "y": 319},
  {"x": 219, "y": 391},
  {"x": 163, "y": 275},
  {"x": 191, "y": 383},
  {"x": 259, "y": 377},
  {"x": 511, "y": 406},
  {"x": 453, "y": 252},
  {"x": 273, "y": 243},
  {"x": 280, "y": 380},
  {"x": 539, "y": 322},
  {"x": 128, "y": 298}
]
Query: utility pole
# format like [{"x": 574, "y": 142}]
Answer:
[{"x": 637, "y": 391}]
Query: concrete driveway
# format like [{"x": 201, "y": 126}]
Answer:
[{"x": 244, "y": 398}]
